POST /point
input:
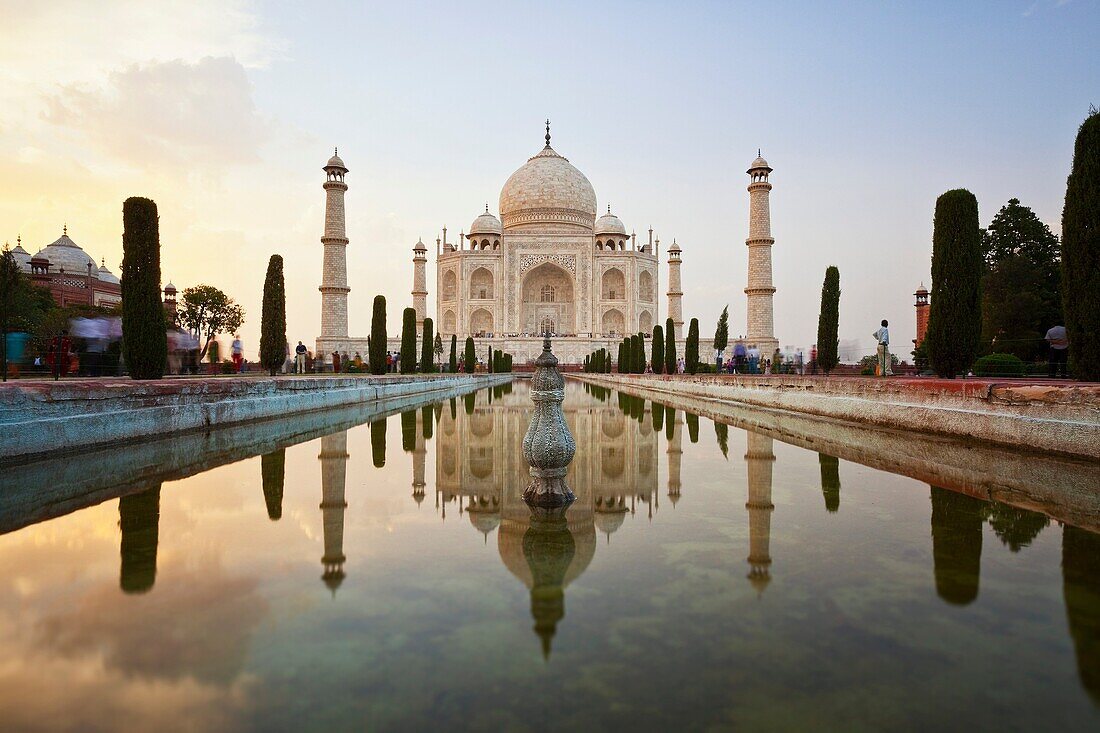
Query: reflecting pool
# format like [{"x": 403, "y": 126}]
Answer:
[{"x": 376, "y": 569}]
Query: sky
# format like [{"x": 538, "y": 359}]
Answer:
[{"x": 224, "y": 111}]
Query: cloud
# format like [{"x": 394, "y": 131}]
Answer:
[{"x": 166, "y": 113}]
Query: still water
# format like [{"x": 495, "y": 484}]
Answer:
[{"x": 385, "y": 575}]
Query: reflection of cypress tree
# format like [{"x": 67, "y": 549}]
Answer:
[
  {"x": 622, "y": 402},
  {"x": 454, "y": 408},
  {"x": 670, "y": 422},
  {"x": 957, "y": 544},
  {"x": 1081, "y": 591},
  {"x": 427, "y": 421},
  {"x": 408, "y": 431},
  {"x": 658, "y": 416},
  {"x": 273, "y": 472},
  {"x": 830, "y": 481},
  {"x": 693, "y": 426},
  {"x": 469, "y": 400},
  {"x": 139, "y": 520},
  {"x": 1016, "y": 527},
  {"x": 549, "y": 548},
  {"x": 722, "y": 433},
  {"x": 489, "y": 396},
  {"x": 378, "y": 442}
]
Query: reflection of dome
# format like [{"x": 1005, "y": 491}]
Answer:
[
  {"x": 608, "y": 522},
  {"x": 510, "y": 545},
  {"x": 610, "y": 224},
  {"x": 65, "y": 254},
  {"x": 485, "y": 224},
  {"x": 484, "y": 522},
  {"x": 547, "y": 188}
]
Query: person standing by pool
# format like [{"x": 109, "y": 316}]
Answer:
[
  {"x": 1058, "y": 350},
  {"x": 882, "y": 336},
  {"x": 238, "y": 352},
  {"x": 300, "y": 358}
]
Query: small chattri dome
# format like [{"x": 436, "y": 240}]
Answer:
[
  {"x": 609, "y": 224},
  {"x": 105, "y": 275},
  {"x": 335, "y": 161},
  {"x": 22, "y": 258},
  {"x": 486, "y": 223},
  {"x": 169, "y": 288},
  {"x": 922, "y": 290},
  {"x": 419, "y": 246}
]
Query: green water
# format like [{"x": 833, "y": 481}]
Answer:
[{"x": 388, "y": 577}]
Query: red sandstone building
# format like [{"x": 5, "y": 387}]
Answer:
[{"x": 922, "y": 314}]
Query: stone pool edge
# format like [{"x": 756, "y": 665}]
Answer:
[
  {"x": 42, "y": 418},
  {"x": 1060, "y": 420}
]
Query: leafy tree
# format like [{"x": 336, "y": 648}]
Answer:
[
  {"x": 470, "y": 358},
  {"x": 144, "y": 338},
  {"x": 828, "y": 322},
  {"x": 376, "y": 353},
  {"x": 657, "y": 349},
  {"x": 452, "y": 363},
  {"x": 722, "y": 333},
  {"x": 1021, "y": 286},
  {"x": 1081, "y": 252},
  {"x": 670, "y": 347},
  {"x": 408, "y": 341},
  {"x": 954, "y": 319},
  {"x": 206, "y": 312},
  {"x": 427, "y": 361},
  {"x": 17, "y": 304},
  {"x": 691, "y": 348},
  {"x": 273, "y": 318}
]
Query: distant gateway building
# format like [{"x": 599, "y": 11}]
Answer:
[{"x": 547, "y": 265}]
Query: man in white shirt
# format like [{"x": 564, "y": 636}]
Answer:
[
  {"x": 1058, "y": 342},
  {"x": 882, "y": 336}
]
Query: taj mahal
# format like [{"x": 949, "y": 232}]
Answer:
[{"x": 551, "y": 263}]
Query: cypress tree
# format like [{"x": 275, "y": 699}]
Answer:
[
  {"x": 144, "y": 338},
  {"x": 955, "y": 316},
  {"x": 470, "y": 358},
  {"x": 585, "y": 367},
  {"x": 657, "y": 355},
  {"x": 508, "y": 365},
  {"x": 606, "y": 361},
  {"x": 273, "y": 318},
  {"x": 670, "y": 347},
  {"x": 377, "y": 352},
  {"x": 828, "y": 321},
  {"x": 639, "y": 354},
  {"x": 452, "y": 363},
  {"x": 408, "y": 341},
  {"x": 691, "y": 348},
  {"x": 1081, "y": 252},
  {"x": 619, "y": 359},
  {"x": 491, "y": 361},
  {"x": 722, "y": 332},
  {"x": 427, "y": 352}
]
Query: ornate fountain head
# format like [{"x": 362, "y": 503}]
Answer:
[{"x": 548, "y": 445}]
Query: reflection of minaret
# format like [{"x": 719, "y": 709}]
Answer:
[
  {"x": 334, "y": 460},
  {"x": 674, "y": 453},
  {"x": 759, "y": 459},
  {"x": 139, "y": 521},
  {"x": 419, "y": 453},
  {"x": 957, "y": 544},
  {"x": 1081, "y": 591},
  {"x": 830, "y": 481}
]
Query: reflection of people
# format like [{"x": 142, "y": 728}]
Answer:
[
  {"x": 1058, "y": 345},
  {"x": 957, "y": 544},
  {"x": 884, "y": 368},
  {"x": 139, "y": 521},
  {"x": 1081, "y": 591}
]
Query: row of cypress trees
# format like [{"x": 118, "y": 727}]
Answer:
[{"x": 598, "y": 362}]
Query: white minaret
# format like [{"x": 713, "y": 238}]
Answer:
[
  {"x": 675, "y": 293},
  {"x": 761, "y": 327},
  {"x": 420, "y": 284},
  {"x": 334, "y": 273}
]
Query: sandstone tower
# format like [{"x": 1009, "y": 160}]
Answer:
[
  {"x": 922, "y": 313},
  {"x": 420, "y": 284},
  {"x": 334, "y": 460},
  {"x": 759, "y": 459},
  {"x": 675, "y": 293},
  {"x": 334, "y": 273},
  {"x": 761, "y": 328}
]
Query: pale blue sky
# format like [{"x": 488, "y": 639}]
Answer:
[{"x": 867, "y": 112}]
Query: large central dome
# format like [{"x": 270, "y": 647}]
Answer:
[{"x": 547, "y": 189}]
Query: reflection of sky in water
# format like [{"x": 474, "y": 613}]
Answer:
[{"x": 772, "y": 587}]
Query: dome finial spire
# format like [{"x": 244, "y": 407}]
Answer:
[
  {"x": 547, "y": 132},
  {"x": 608, "y": 207},
  {"x": 486, "y": 207},
  {"x": 65, "y": 229}
]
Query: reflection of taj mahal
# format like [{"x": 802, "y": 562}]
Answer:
[{"x": 549, "y": 264}]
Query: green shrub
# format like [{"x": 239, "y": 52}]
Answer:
[{"x": 999, "y": 365}]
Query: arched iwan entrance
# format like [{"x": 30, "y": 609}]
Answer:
[{"x": 548, "y": 301}]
